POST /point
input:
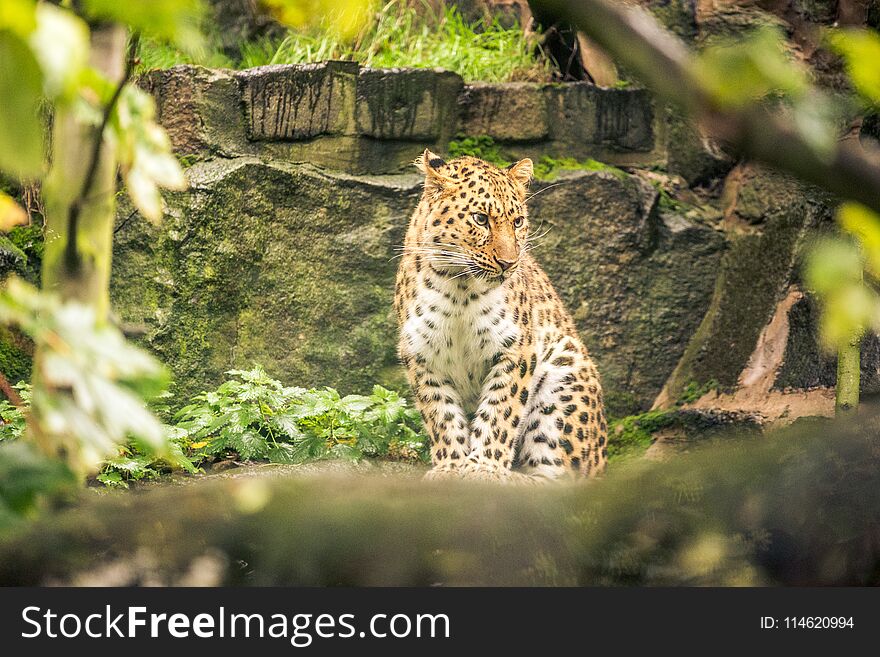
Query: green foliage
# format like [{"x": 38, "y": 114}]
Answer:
[
  {"x": 28, "y": 480},
  {"x": 844, "y": 273},
  {"x": 132, "y": 462},
  {"x": 153, "y": 54},
  {"x": 254, "y": 417},
  {"x": 481, "y": 146},
  {"x": 90, "y": 381},
  {"x": 343, "y": 17},
  {"x": 44, "y": 52},
  {"x": 143, "y": 151},
  {"x": 546, "y": 168},
  {"x": 257, "y": 417},
  {"x": 172, "y": 21},
  {"x": 13, "y": 418},
  {"x": 21, "y": 149},
  {"x": 742, "y": 71}
]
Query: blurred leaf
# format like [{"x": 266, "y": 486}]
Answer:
[
  {"x": 91, "y": 381},
  {"x": 144, "y": 152},
  {"x": 737, "y": 73},
  {"x": 848, "y": 312},
  {"x": 21, "y": 88},
  {"x": 175, "y": 21},
  {"x": 864, "y": 224},
  {"x": 860, "y": 49},
  {"x": 815, "y": 117},
  {"x": 834, "y": 272},
  {"x": 61, "y": 45},
  {"x": 26, "y": 476},
  {"x": 18, "y": 16},
  {"x": 346, "y": 17},
  {"x": 833, "y": 264},
  {"x": 11, "y": 213}
]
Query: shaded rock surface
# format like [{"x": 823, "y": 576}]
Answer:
[{"x": 269, "y": 263}]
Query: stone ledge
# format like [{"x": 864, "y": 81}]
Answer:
[
  {"x": 407, "y": 104},
  {"x": 363, "y": 120},
  {"x": 298, "y": 102},
  {"x": 516, "y": 111}
]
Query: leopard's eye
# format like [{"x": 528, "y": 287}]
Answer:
[
  {"x": 480, "y": 219},
  {"x": 518, "y": 222}
]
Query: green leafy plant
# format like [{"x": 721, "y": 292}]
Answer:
[
  {"x": 256, "y": 417},
  {"x": 90, "y": 381},
  {"x": 12, "y": 417}
]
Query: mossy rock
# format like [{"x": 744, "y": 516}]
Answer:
[
  {"x": 772, "y": 216},
  {"x": 796, "y": 509},
  {"x": 636, "y": 279},
  {"x": 269, "y": 263}
]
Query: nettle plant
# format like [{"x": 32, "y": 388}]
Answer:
[{"x": 254, "y": 416}]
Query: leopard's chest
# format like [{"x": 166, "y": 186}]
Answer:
[{"x": 459, "y": 330}]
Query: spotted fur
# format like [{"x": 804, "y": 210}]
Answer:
[{"x": 506, "y": 388}]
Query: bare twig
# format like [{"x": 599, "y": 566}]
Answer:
[{"x": 666, "y": 65}]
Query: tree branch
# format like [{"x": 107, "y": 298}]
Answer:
[
  {"x": 71, "y": 255},
  {"x": 10, "y": 392},
  {"x": 665, "y": 65}
]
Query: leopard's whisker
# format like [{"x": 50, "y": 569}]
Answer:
[{"x": 541, "y": 191}]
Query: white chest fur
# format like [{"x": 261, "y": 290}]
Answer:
[{"x": 459, "y": 326}]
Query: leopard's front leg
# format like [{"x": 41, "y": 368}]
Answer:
[
  {"x": 444, "y": 419},
  {"x": 495, "y": 426}
]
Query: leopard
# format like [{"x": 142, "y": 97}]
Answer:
[{"x": 506, "y": 388}]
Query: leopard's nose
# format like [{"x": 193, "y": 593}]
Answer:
[{"x": 505, "y": 264}]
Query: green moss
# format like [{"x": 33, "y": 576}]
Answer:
[
  {"x": 693, "y": 391},
  {"x": 481, "y": 146},
  {"x": 547, "y": 168},
  {"x": 186, "y": 161},
  {"x": 632, "y": 435},
  {"x": 16, "y": 353},
  {"x": 10, "y": 250}
]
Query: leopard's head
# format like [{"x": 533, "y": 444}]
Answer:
[{"x": 475, "y": 222}]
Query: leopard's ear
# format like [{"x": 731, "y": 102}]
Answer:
[
  {"x": 428, "y": 163},
  {"x": 521, "y": 172}
]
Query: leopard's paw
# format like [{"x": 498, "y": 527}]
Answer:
[
  {"x": 490, "y": 471},
  {"x": 442, "y": 472}
]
